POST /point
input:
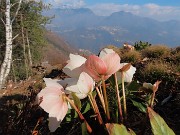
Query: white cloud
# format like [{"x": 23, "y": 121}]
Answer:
[
  {"x": 151, "y": 10},
  {"x": 66, "y": 3}
]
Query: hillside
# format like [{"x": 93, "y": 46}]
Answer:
[{"x": 57, "y": 51}]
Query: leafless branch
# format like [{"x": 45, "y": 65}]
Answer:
[
  {"x": 19, "y": 6},
  {"x": 15, "y": 37},
  {"x": 12, "y": 5},
  {"x": 3, "y": 21}
]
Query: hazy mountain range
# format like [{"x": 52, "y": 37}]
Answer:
[{"x": 81, "y": 28}]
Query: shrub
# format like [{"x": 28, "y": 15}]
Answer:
[
  {"x": 159, "y": 51},
  {"x": 131, "y": 56},
  {"x": 141, "y": 45},
  {"x": 157, "y": 70}
]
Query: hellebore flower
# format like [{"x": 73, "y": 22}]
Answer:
[
  {"x": 152, "y": 87},
  {"x": 81, "y": 86},
  {"x": 128, "y": 72},
  {"x": 74, "y": 66},
  {"x": 103, "y": 66},
  {"x": 52, "y": 100}
]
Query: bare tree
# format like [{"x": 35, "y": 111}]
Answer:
[{"x": 6, "y": 64}]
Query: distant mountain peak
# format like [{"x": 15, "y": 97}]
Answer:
[
  {"x": 75, "y": 10},
  {"x": 122, "y": 13},
  {"x": 82, "y": 28}
]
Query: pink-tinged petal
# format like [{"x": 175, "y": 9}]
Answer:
[
  {"x": 85, "y": 83},
  {"x": 59, "y": 110},
  {"x": 52, "y": 83},
  {"x": 105, "y": 51},
  {"x": 49, "y": 96},
  {"x": 112, "y": 61},
  {"x": 156, "y": 85},
  {"x": 74, "y": 68},
  {"x": 95, "y": 67},
  {"x": 57, "y": 114}
]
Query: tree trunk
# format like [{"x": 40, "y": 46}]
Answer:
[
  {"x": 6, "y": 65},
  {"x": 24, "y": 47},
  {"x": 29, "y": 50}
]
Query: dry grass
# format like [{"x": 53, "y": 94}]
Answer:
[
  {"x": 158, "y": 66},
  {"x": 158, "y": 51},
  {"x": 131, "y": 56}
]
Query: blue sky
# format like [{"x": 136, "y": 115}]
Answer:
[
  {"x": 161, "y": 10},
  {"x": 139, "y": 2}
]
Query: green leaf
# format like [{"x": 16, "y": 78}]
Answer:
[
  {"x": 159, "y": 126},
  {"x": 77, "y": 101},
  {"x": 118, "y": 129},
  {"x": 94, "y": 93},
  {"x": 86, "y": 107},
  {"x": 134, "y": 86},
  {"x": 71, "y": 114},
  {"x": 68, "y": 115},
  {"x": 84, "y": 129},
  {"x": 141, "y": 106}
]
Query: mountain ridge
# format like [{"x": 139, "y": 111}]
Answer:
[{"x": 82, "y": 28}]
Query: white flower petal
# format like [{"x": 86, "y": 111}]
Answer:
[
  {"x": 81, "y": 95},
  {"x": 105, "y": 51},
  {"x": 72, "y": 85},
  {"x": 74, "y": 66},
  {"x": 128, "y": 75},
  {"x": 52, "y": 83},
  {"x": 85, "y": 83}
]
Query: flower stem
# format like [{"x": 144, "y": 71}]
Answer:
[
  {"x": 96, "y": 110},
  {"x": 105, "y": 98},
  {"x": 101, "y": 98},
  {"x": 91, "y": 103},
  {"x": 118, "y": 98},
  {"x": 152, "y": 99},
  {"x": 124, "y": 96},
  {"x": 89, "y": 129}
]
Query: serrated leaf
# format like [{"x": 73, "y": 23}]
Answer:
[
  {"x": 77, "y": 101},
  {"x": 141, "y": 106},
  {"x": 159, "y": 126},
  {"x": 118, "y": 129}
]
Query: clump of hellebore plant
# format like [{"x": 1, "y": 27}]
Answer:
[{"x": 88, "y": 75}]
